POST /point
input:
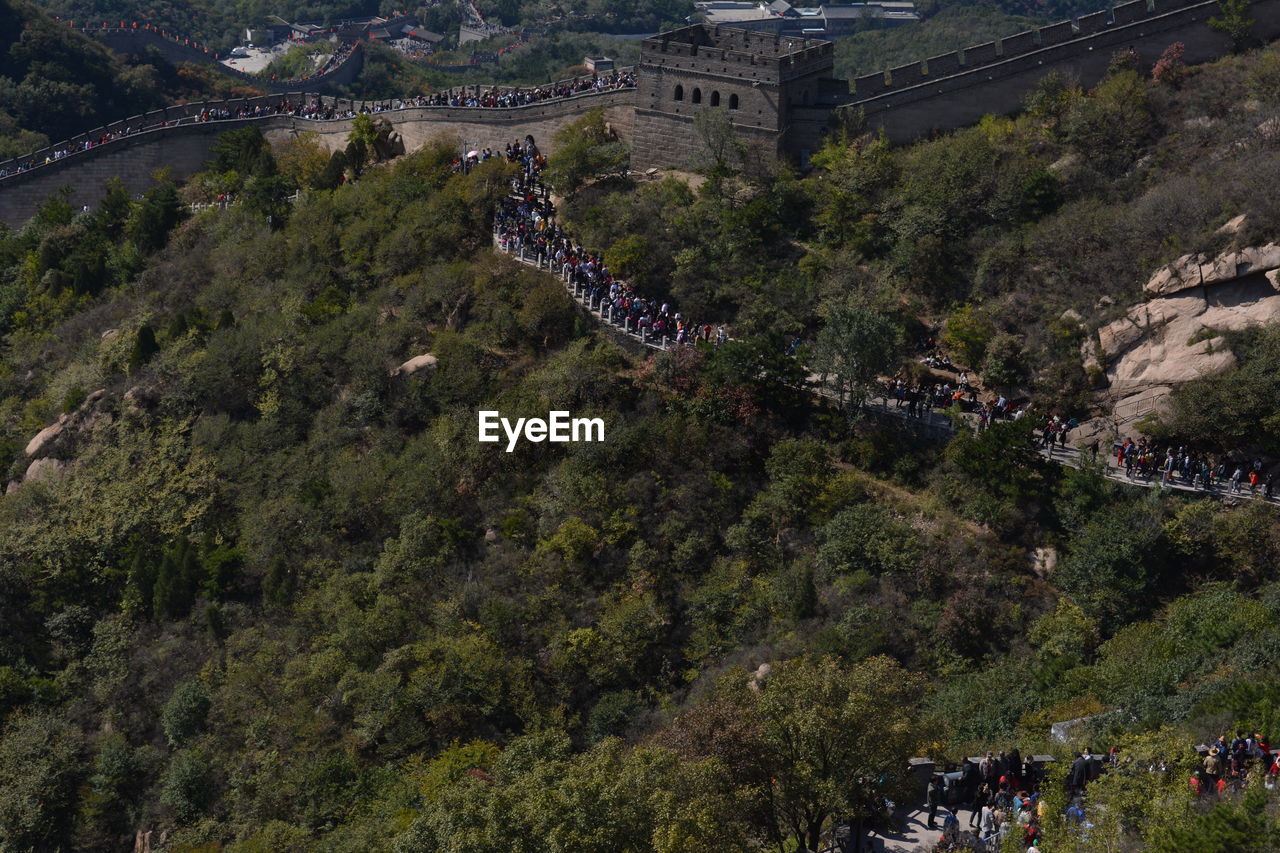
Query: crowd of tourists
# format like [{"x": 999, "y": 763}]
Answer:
[
  {"x": 335, "y": 59},
  {"x": 1181, "y": 466},
  {"x": 1229, "y": 763},
  {"x": 919, "y": 397},
  {"x": 497, "y": 97},
  {"x": 317, "y": 109},
  {"x": 526, "y": 223},
  {"x": 1140, "y": 461},
  {"x": 1003, "y": 792}
]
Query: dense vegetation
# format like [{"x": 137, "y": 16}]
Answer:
[
  {"x": 952, "y": 28},
  {"x": 264, "y": 591},
  {"x": 55, "y": 83}
]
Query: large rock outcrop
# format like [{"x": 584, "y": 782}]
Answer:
[
  {"x": 426, "y": 361},
  {"x": 49, "y": 450},
  {"x": 1200, "y": 270},
  {"x": 1177, "y": 335}
]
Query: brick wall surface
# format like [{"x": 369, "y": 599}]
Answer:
[
  {"x": 998, "y": 86},
  {"x": 183, "y": 149}
]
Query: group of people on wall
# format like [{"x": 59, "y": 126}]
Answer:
[
  {"x": 499, "y": 96},
  {"x": 526, "y": 223},
  {"x": 320, "y": 109}
]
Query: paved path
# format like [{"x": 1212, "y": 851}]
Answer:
[
  {"x": 933, "y": 422},
  {"x": 915, "y": 835}
]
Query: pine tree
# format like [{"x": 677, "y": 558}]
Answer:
[
  {"x": 144, "y": 347},
  {"x": 278, "y": 585}
]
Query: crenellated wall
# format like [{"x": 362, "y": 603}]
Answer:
[
  {"x": 777, "y": 92},
  {"x": 757, "y": 78},
  {"x": 952, "y": 91},
  {"x": 183, "y": 145}
]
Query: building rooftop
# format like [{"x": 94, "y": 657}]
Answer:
[{"x": 730, "y": 12}]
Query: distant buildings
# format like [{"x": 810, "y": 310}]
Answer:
[
  {"x": 781, "y": 18},
  {"x": 352, "y": 30}
]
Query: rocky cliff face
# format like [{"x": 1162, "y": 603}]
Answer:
[{"x": 1177, "y": 334}]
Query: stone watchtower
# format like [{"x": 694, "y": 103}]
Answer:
[{"x": 776, "y": 90}]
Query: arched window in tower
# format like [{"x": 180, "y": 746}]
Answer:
[
  {"x": 697, "y": 96},
  {"x": 679, "y": 92},
  {"x": 733, "y": 102},
  {"x": 715, "y": 99}
]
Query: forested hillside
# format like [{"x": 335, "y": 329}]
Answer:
[
  {"x": 262, "y": 589},
  {"x": 221, "y": 24},
  {"x": 55, "y": 83}
]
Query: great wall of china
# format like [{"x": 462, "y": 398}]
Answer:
[
  {"x": 176, "y": 139},
  {"x": 956, "y": 89},
  {"x": 779, "y": 93},
  {"x": 129, "y": 40}
]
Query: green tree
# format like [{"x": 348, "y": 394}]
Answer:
[
  {"x": 1110, "y": 127},
  {"x": 1003, "y": 365},
  {"x": 630, "y": 257},
  {"x": 1234, "y": 22},
  {"x": 833, "y": 736},
  {"x": 363, "y": 131},
  {"x": 585, "y": 151},
  {"x": 155, "y": 216},
  {"x": 244, "y": 151},
  {"x": 855, "y": 347},
  {"x": 866, "y": 538},
  {"x": 144, "y": 346},
  {"x": 1245, "y": 824},
  {"x": 1107, "y": 575},
  {"x": 722, "y": 148},
  {"x": 1232, "y": 409},
  {"x": 187, "y": 787},
  {"x": 279, "y": 583},
  {"x": 997, "y": 476},
  {"x": 968, "y": 333},
  {"x": 332, "y": 175},
  {"x": 269, "y": 196},
  {"x": 183, "y": 716},
  {"x": 114, "y": 789},
  {"x": 40, "y": 768},
  {"x": 539, "y": 798},
  {"x": 178, "y": 579}
]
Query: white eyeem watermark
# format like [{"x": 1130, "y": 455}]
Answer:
[{"x": 558, "y": 427}]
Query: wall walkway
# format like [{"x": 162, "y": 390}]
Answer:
[
  {"x": 132, "y": 39},
  {"x": 177, "y": 139},
  {"x": 934, "y": 424},
  {"x": 957, "y": 89}
]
